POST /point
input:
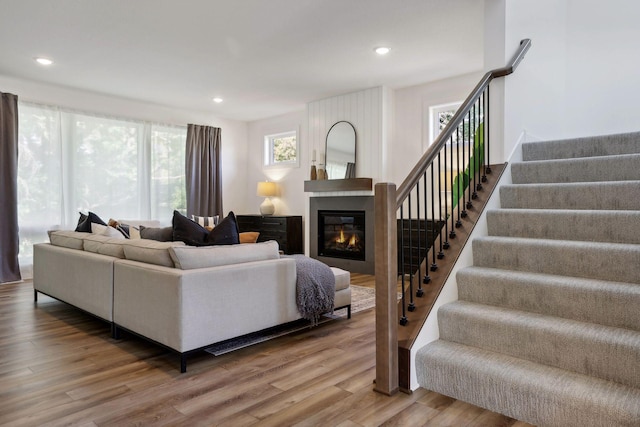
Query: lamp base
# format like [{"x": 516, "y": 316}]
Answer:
[{"x": 267, "y": 208}]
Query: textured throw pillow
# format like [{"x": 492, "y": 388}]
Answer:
[
  {"x": 249, "y": 237},
  {"x": 208, "y": 222},
  {"x": 188, "y": 231},
  {"x": 122, "y": 228},
  {"x": 161, "y": 234},
  {"x": 85, "y": 221},
  {"x": 225, "y": 233},
  {"x": 105, "y": 230}
]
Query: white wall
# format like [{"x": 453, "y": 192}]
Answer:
[
  {"x": 411, "y": 124},
  {"x": 291, "y": 200},
  {"x": 234, "y": 133},
  {"x": 580, "y": 75}
]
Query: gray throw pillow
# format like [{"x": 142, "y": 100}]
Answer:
[{"x": 163, "y": 234}]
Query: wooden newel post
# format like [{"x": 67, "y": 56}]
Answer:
[{"x": 386, "y": 266}]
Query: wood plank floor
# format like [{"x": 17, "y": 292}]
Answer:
[{"x": 59, "y": 366}]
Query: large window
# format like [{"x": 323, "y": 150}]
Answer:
[{"x": 70, "y": 162}]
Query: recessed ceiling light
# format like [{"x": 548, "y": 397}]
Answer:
[
  {"x": 217, "y": 100},
  {"x": 43, "y": 61},
  {"x": 382, "y": 50}
]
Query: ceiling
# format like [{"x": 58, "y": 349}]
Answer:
[{"x": 263, "y": 57}]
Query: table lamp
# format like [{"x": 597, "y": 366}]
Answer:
[{"x": 266, "y": 189}]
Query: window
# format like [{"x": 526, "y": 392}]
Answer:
[
  {"x": 281, "y": 150},
  {"x": 71, "y": 162},
  {"x": 440, "y": 116}
]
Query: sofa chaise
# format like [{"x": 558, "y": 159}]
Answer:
[{"x": 182, "y": 297}]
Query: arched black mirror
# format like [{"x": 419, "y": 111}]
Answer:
[{"x": 341, "y": 151}]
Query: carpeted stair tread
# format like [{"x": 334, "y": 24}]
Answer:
[
  {"x": 586, "y": 348},
  {"x": 586, "y": 169},
  {"x": 607, "y": 261},
  {"x": 616, "y": 195},
  {"x": 565, "y": 224},
  {"x": 608, "y": 303},
  {"x": 531, "y": 392},
  {"x": 604, "y": 145}
]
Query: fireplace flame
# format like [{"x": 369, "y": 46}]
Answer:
[
  {"x": 353, "y": 241},
  {"x": 341, "y": 239}
]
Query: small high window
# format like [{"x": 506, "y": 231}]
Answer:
[
  {"x": 440, "y": 116},
  {"x": 281, "y": 150}
]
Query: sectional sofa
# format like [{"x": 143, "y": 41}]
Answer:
[{"x": 182, "y": 297}]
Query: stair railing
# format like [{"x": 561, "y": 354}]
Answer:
[{"x": 414, "y": 224}]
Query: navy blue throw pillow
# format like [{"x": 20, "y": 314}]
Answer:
[
  {"x": 225, "y": 233},
  {"x": 85, "y": 221},
  {"x": 188, "y": 231}
]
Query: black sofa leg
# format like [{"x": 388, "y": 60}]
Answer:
[
  {"x": 349, "y": 311},
  {"x": 35, "y": 296},
  {"x": 115, "y": 331},
  {"x": 183, "y": 363}
]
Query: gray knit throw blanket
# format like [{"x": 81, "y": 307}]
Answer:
[{"x": 315, "y": 287}]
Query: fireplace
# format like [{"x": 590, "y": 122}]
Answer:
[{"x": 341, "y": 234}]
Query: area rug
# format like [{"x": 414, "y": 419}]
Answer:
[{"x": 361, "y": 299}]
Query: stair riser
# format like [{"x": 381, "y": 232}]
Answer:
[
  {"x": 596, "y": 169},
  {"x": 605, "y": 261},
  {"x": 607, "y": 196},
  {"x": 532, "y": 393},
  {"x": 607, "y": 303},
  {"x": 595, "y": 226},
  {"x": 608, "y": 353},
  {"x": 606, "y": 145}
]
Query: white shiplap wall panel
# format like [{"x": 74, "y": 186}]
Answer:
[{"x": 364, "y": 109}]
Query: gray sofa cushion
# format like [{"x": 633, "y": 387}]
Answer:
[
  {"x": 150, "y": 251},
  {"x": 191, "y": 257},
  {"x": 68, "y": 238},
  {"x": 112, "y": 246}
]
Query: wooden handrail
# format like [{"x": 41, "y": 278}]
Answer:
[{"x": 433, "y": 150}]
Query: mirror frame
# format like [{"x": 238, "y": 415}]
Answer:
[{"x": 355, "y": 146}]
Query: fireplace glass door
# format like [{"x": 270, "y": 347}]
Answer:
[{"x": 341, "y": 234}]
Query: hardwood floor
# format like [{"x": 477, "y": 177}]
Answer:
[{"x": 59, "y": 366}]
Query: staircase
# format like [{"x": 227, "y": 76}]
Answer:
[{"x": 547, "y": 326}]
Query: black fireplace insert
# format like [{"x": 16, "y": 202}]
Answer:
[{"x": 341, "y": 234}]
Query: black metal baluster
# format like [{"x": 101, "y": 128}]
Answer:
[
  {"x": 460, "y": 178},
  {"x": 469, "y": 204},
  {"x": 452, "y": 233},
  {"x": 411, "y": 306},
  {"x": 427, "y": 278},
  {"x": 403, "y": 319},
  {"x": 487, "y": 121},
  {"x": 434, "y": 266},
  {"x": 474, "y": 155},
  {"x": 484, "y": 138},
  {"x": 464, "y": 175},
  {"x": 440, "y": 253},
  {"x": 444, "y": 191},
  {"x": 420, "y": 291}
]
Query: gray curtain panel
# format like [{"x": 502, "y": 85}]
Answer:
[
  {"x": 9, "y": 243},
  {"x": 204, "y": 180}
]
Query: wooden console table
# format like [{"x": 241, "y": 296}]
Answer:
[{"x": 286, "y": 230}]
